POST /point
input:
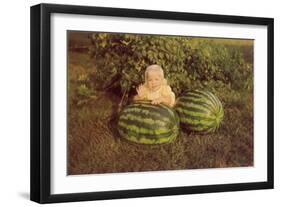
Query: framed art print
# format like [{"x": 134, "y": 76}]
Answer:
[{"x": 132, "y": 103}]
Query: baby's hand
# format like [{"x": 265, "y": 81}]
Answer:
[
  {"x": 157, "y": 101},
  {"x": 140, "y": 89}
]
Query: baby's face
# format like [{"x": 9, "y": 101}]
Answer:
[{"x": 154, "y": 80}]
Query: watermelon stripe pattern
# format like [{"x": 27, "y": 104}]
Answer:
[
  {"x": 200, "y": 111},
  {"x": 144, "y": 123}
]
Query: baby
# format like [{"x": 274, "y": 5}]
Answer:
[{"x": 155, "y": 87}]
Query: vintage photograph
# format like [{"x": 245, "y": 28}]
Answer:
[
  {"x": 128, "y": 103},
  {"x": 141, "y": 102}
]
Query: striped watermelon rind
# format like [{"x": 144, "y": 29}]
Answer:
[
  {"x": 200, "y": 111},
  {"x": 144, "y": 123}
]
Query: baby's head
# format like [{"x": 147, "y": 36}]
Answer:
[{"x": 154, "y": 77}]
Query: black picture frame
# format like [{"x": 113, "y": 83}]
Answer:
[{"x": 40, "y": 177}]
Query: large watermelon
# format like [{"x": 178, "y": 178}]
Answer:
[
  {"x": 200, "y": 111},
  {"x": 144, "y": 123}
]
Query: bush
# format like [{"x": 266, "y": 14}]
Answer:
[{"x": 188, "y": 63}]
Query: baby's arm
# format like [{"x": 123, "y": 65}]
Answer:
[
  {"x": 170, "y": 100},
  {"x": 137, "y": 98},
  {"x": 167, "y": 98},
  {"x": 141, "y": 93}
]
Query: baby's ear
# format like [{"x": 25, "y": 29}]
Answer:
[{"x": 165, "y": 81}]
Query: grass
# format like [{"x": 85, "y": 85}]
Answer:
[{"x": 95, "y": 147}]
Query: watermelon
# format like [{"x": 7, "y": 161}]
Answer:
[
  {"x": 144, "y": 123},
  {"x": 200, "y": 111}
]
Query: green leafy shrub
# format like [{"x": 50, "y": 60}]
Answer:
[{"x": 188, "y": 63}]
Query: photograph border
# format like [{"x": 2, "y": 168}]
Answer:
[{"x": 40, "y": 102}]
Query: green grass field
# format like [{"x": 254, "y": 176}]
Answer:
[{"x": 94, "y": 146}]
